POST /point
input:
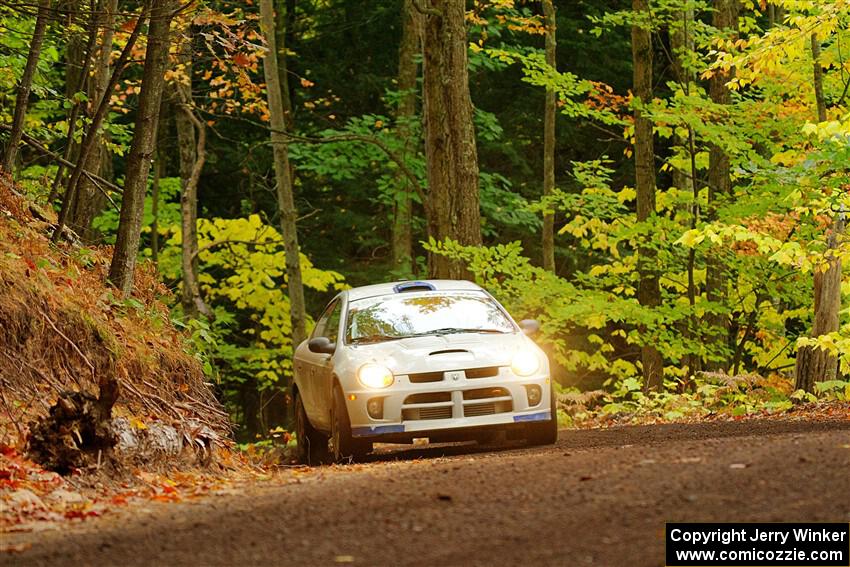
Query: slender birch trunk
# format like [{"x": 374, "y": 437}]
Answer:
[
  {"x": 549, "y": 139},
  {"x": 283, "y": 175}
]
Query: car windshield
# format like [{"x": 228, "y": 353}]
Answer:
[{"x": 377, "y": 319}]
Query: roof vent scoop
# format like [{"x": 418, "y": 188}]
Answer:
[{"x": 413, "y": 286}]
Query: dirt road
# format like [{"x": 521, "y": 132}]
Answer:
[{"x": 596, "y": 498}]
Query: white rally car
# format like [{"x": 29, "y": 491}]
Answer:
[{"x": 436, "y": 359}]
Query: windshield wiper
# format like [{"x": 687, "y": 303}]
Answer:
[
  {"x": 457, "y": 330},
  {"x": 369, "y": 339},
  {"x": 374, "y": 339}
]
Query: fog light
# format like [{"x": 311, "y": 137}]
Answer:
[
  {"x": 534, "y": 394},
  {"x": 375, "y": 407}
]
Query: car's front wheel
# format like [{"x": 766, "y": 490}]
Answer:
[
  {"x": 312, "y": 444},
  {"x": 343, "y": 446}
]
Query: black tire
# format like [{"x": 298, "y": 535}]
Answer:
[
  {"x": 312, "y": 444},
  {"x": 544, "y": 432},
  {"x": 343, "y": 446}
]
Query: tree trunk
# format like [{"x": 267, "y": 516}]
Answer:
[
  {"x": 408, "y": 71},
  {"x": 192, "y": 302},
  {"x": 724, "y": 18},
  {"x": 75, "y": 77},
  {"x": 450, "y": 150},
  {"x": 77, "y": 71},
  {"x": 282, "y": 32},
  {"x": 285, "y": 199},
  {"x": 122, "y": 269},
  {"x": 817, "y": 75},
  {"x": 160, "y": 169},
  {"x": 192, "y": 157},
  {"x": 25, "y": 86},
  {"x": 817, "y": 365},
  {"x": 681, "y": 43},
  {"x": 775, "y": 14},
  {"x": 649, "y": 293},
  {"x": 90, "y": 140},
  {"x": 157, "y": 175},
  {"x": 90, "y": 201},
  {"x": 549, "y": 140}
]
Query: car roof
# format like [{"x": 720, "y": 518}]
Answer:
[{"x": 392, "y": 288}]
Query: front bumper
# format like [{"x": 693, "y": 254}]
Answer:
[{"x": 453, "y": 405}]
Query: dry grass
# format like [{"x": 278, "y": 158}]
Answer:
[{"x": 63, "y": 328}]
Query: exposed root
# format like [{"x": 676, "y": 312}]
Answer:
[{"x": 76, "y": 434}]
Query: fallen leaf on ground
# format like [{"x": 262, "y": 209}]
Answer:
[{"x": 15, "y": 547}]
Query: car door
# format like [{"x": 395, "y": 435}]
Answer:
[
  {"x": 325, "y": 373},
  {"x": 317, "y": 368}
]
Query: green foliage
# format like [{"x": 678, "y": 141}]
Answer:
[
  {"x": 789, "y": 178},
  {"x": 36, "y": 181},
  {"x": 242, "y": 277},
  {"x": 168, "y": 214},
  {"x": 367, "y": 148},
  {"x": 764, "y": 239},
  {"x": 624, "y": 401},
  {"x": 203, "y": 343},
  {"x": 14, "y": 46},
  {"x": 248, "y": 343},
  {"x": 570, "y": 90}
]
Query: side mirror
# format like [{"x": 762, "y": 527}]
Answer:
[
  {"x": 322, "y": 345},
  {"x": 529, "y": 326}
]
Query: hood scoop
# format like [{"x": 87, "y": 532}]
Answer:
[{"x": 449, "y": 351}]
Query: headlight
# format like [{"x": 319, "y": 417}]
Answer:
[
  {"x": 375, "y": 376},
  {"x": 525, "y": 363}
]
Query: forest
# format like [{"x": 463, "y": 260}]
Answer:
[{"x": 661, "y": 183}]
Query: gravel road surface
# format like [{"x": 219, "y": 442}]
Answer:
[{"x": 598, "y": 497}]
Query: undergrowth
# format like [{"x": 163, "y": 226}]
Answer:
[
  {"x": 62, "y": 328},
  {"x": 708, "y": 396}
]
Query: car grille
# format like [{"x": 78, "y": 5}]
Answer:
[
  {"x": 487, "y": 372},
  {"x": 428, "y": 398},
  {"x": 431, "y": 405},
  {"x": 486, "y": 401},
  {"x": 479, "y": 409},
  {"x": 471, "y": 373},
  {"x": 424, "y": 377},
  {"x": 484, "y": 393},
  {"x": 426, "y": 413},
  {"x": 439, "y": 405}
]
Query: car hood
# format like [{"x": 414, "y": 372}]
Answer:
[{"x": 443, "y": 352}]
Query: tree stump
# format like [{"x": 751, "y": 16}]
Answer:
[{"x": 76, "y": 432}]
